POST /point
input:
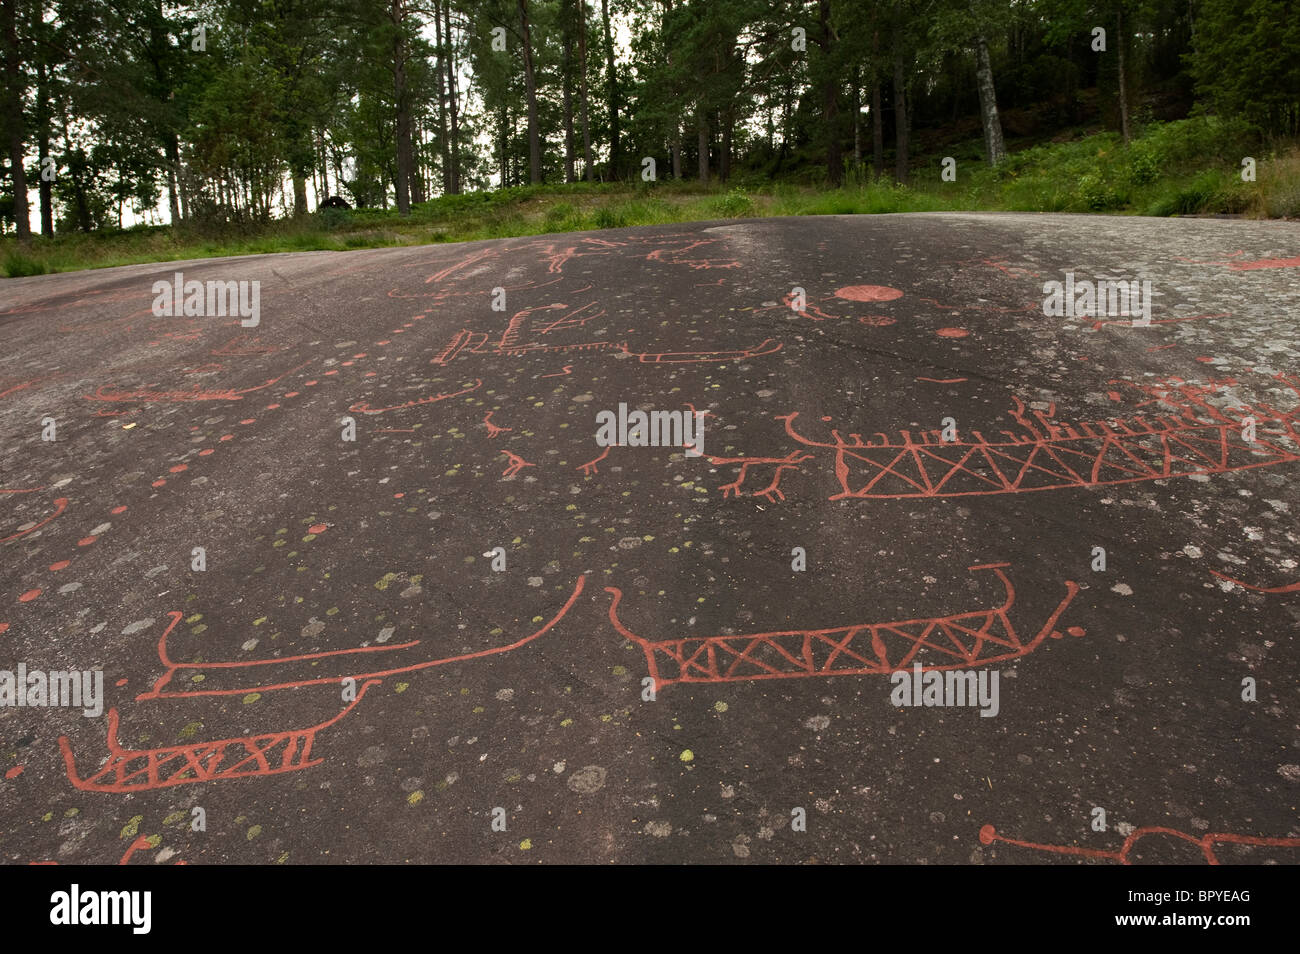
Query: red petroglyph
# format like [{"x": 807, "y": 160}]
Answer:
[
  {"x": 178, "y": 468},
  {"x": 141, "y": 843},
  {"x": 952, "y": 332},
  {"x": 516, "y": 464},
  {"x": 877, "y": 321},
  {"x": 4, "y": 628},
  {"x": 345, "y": 655},
  {"x": 1207, "y": 843},
  {"x": 959, "y": 641},
  {"x": 463, "y": 263},
  {"x": 1265, "y": 263},
  {"x": 1286, "y": 588},
  {"x": 1138, "y": 323},
  {"x": 589, "y": 467},
  {"x": 363, "y": 408},
  {"x": 14, "y": 772},
  {"x": 21, "y": 386},
  {"x": 61, "y": 565},
  {"x": 567, "y": 369},
  {"x": 318, "y": 528},
  {"x": 494, "y": 430},
  {"x": 117, "y": 510},
  {"x": 943, "y": 380},
  {"x": 133, "y": 770},
  {"x": 868, "y": 293},
  {"x": 790, "y": 461},
  {"x": 569, "y": 320},
  {"x": 678, "y": 257},
  {"x": 1051, "y": 455},
  {"x": 29, "y": 596},
  {"x": 60, "y": 505},
  {"x": 86, "y": 541}
]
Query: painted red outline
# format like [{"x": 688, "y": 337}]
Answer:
[
  {"x": 156, "y": 693},
  {"x": 858, "y": 649},
  {"x": 1287, "y": 588},
  {"x": 989, "y": 834},
  {"x": 60, "y": 505},
  {"x": 362, "y": 408},
  {"x": 202, "y": 759}
]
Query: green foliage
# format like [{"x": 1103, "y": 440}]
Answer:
[
  {"x": 18, "y": 265},
  {"x": 608, "y": 218},
  {"x": 1246, "y": 61},
  {"x": 733, "y": 205},
  {"x": 1211, "y": 191}
]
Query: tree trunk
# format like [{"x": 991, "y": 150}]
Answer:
[
  {"x": 567, "y": 84},
  {"x": 877, "y": 117},
  {"x": 877, "y": 133},
  {"x": 402, "y": 177},
  {"x": 830, "y": 100},
  {"x": 417, "y": 166},
  {"x": 702, "y": 139},
  {"x": 993, "y": 143},
  {"x": 857, "y": 118},
  {"x": 615, "y": 157},
  {"x": 43, "y": 146},
  {"x": 1121, "y": 38},
  {"x": 441, "y": 87},
  {"x": 299, "y": 195},
  {"x": 724, "y": 161},
  {"x": 587, "y": 169},
  {"x": 15, "y": 87},
  {"x": 530, "y": 87},
  {"x": 451, "y": 97},
  {"x": 505, "y": 145},
  {"x": 901, "y": 137},
  {"x": 173, "y": 179}
]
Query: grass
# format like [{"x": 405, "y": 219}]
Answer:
[{"x": 1186, "y": 167}]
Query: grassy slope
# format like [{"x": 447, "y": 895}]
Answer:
[{"x": 1180, "y": 168}]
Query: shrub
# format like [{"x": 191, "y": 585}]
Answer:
[
  {"x": 733, "y": 205},
  {"x": 608, "y": 218},
  {"x": 18, "y": 265}
]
